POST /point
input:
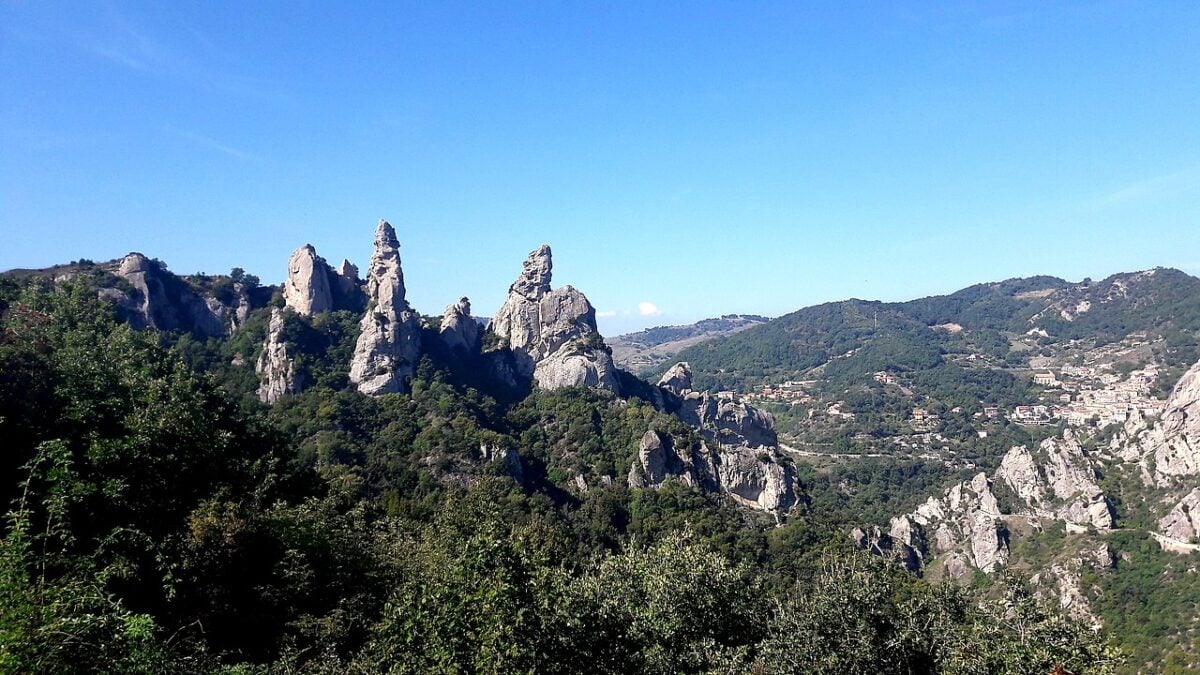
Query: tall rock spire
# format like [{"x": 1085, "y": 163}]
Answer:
[
  {"x": 552, "y": 333},
  {"x": 390, "y": 342}
]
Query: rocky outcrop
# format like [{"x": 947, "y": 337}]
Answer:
[
  {"x": 745, "y": 463},
  {"x": 658, "y": 459},
  {"x": 677, "y": 379},
  {"x": 1174, "y": 442},
  {"x": 1182, "y": 523},
  {"x": 313, "y": 286},
  {"x": 347, "y": 289},
  {"x": 756, "y": 477},
  {"x": 276, "y": 369},
  {"x": 505, "y": 458},
  {"x": 965, "y": 520},
  {"x": 552, "y": 334},
  {"x": 1063, "y": 581},
  {"x": 459, "y": 330},
  {"x": 752, "y": 477},
  {"x": 722, "y": 418},
  {"x": 389, "y": 343},
  {"x": 1062, "y": 486},
  {"x": 306, "y": 291},
  {"x": 160, "y": 300}
]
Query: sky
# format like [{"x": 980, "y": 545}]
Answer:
[{"x": 683, "y": 160}]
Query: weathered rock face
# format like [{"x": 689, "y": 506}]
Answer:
[
  {"x": 460, "y": 331},
  {"x": 722, "y": 418},
  {"x": 162, "y": 301},
  {"x": 1061, "y": 487},
  {"x": 756, "y": 478},
  {"x": 658, "y": 460},
  {"x": 966, "y": 520},
  {"x": 306, "y": 290},
  {"x": 276, "y": 369},
  {"x": 1175, "y": 441},
  {"x": 313, "y": 286},
  {"x": 347, "y": 289},
  {"x": 552, "y": 333},
  {"x": 745, "y": 463},
  {"x": 677, "y": 379},
  {"x": 1182, "y": 523},
  {"x": 389, "y": 345}
]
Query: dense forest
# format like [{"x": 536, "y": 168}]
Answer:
[{"x": 162, "y": 520}]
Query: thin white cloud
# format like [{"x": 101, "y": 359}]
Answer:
[
  {"x": 1152, "y": 188},
  {"x": 213, "y": 144},
  {"x": 648, "y": 309},
  {"x": 606, "y": 314}
]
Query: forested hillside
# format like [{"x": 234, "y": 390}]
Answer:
[{"x": 164, "y": 520}]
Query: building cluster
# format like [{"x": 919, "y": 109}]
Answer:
[
  {"x": 791, "y": 392},
  {"x": 923, "y": 421},
  {"x": 1090, "y": 395}
]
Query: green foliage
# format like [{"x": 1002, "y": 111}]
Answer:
[{"x": 163, "y": 523}]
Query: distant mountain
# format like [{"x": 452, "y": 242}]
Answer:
[
  {"x": 854, "y": 337},
  {"x": 650, "y": 348}
]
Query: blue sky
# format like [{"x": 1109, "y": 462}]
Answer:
[{"x": 683, "y": 160}]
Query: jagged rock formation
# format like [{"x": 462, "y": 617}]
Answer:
[
  {"x": 389, "y": 345},
  {"x": 756, "y": 477},
  {"x": 1061, "y": 487},
  {"x": 460, "y": 331},
  {"x": 966, "y": 520},
  {"x": 746, "y": 464},
  {"x": 1174, "y": 443},
  {"x": 722, "y": 417},
  {"x": 276, "y": 369},
  {"x": 552, "y": 333},
  {"x": 1063, "y": 582},
  {"x": 658, "y": 458},
  {"x": 313, "y": 287},
  {"x": 1182, "y": 523},
  {"x": 1057, "y": 483},
  {"x": 348, "y": 291},
  {"x": 162, "y": 301}
]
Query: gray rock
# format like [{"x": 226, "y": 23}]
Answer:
[
  {"x": 389, "y": 343},
  {"x": 276, "y": 369},
  {"x": 723, "y": 418},
  {"x": 677, "y": 379},
  {"x": 1062, "y": 487},
  {"x": 1183, "y": 521},
  {"x": 756, "y": 478},
  {"x": 459, "y": 330},
  {"x": 1175, "y": 441},
  {"x": 965, "y": 520},
  {"x": 349, "y": 286},
  {"x": 162, "y": 301},
  {"x": 552, "y": 334},
  {"x": 660, "y": 458},
  {"x": 505, "y": 457},
  {"x": 306, "y": 291}
]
